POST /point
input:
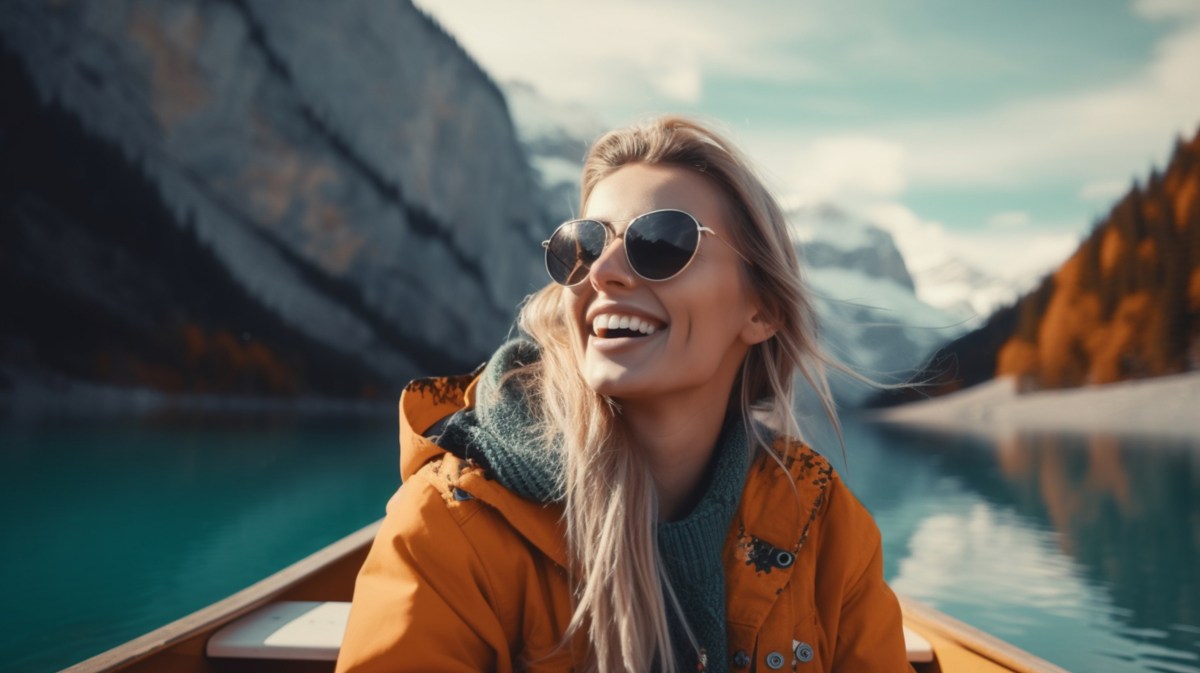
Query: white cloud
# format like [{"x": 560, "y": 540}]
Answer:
[
  {"x": 847, "y": 168},
  {"x": 1103, "y": 191},
  {"x": 1164, "y": 9},
  {"x": 624, "y": 51},
  {"x": 1010, "y": 219},
  {"x": 1020, "y": 255},
  {"x": 1126, "y": 125}
]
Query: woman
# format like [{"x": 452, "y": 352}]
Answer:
[{"x": 621, "y": 488}]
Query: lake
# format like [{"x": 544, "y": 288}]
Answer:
[{"x": 1082, "y": 549}]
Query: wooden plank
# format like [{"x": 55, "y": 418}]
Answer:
[{"x": 959, "y": 647}]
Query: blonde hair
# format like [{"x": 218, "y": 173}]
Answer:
[{"x": 622, "y": 594}]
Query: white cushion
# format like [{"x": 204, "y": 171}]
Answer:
[{"x": 295, "y": 630}]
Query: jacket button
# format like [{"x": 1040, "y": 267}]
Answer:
[
  {"x": 741, "y": 659},
  {"x": 803, "y": 652},
  {"x": 784, "y": 559},
  {"x": 775, "y": 661}
]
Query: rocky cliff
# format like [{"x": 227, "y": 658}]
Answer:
[{"x": 241, "y": 196}]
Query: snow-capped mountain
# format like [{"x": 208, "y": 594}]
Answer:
[
  {"x": 871, "y": 316},
  {"x": 964, "y": 290},
  {"x": 832, "y": 238}
]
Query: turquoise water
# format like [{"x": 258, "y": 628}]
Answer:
[
  {"x": 1084, "y": 550},
  {"x": 113, "y": 529}
]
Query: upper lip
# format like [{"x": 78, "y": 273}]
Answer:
[{"x": 619, "y": 309}]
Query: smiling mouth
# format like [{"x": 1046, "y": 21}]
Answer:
[{"x": 614, "y": 326}]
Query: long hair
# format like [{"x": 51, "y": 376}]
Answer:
[{"x": 622, "y": 595}]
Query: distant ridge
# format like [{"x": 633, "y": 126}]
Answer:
[{"x": 1124, "y": 306}]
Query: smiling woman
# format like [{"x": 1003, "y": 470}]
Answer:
[{"x": 623, "y": 487}]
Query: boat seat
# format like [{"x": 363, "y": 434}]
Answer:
[
  {"x": 312, "y": 631},
  {"x": 919, "y": 649},
  {"x": 292, "y": 630}
]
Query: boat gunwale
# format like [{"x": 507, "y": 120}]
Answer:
[
  {"x": 212, "y": 616},
  {"x": 921, "y": 617}
]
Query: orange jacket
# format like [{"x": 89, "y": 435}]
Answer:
[{"x": 464, "y": 575}]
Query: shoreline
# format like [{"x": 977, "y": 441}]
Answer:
[
  {"x": 1166, "y": 406},
  {"x": 74, "y": 399}
]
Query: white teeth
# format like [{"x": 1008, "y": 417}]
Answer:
[{"x": 609, "y": 321}]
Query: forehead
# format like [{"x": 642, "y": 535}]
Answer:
[{"x": 639, "y": 188}]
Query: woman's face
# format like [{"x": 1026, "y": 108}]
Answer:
[{"x": 705, "y": 318}]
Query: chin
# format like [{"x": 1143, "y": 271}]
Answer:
[{"x": 614, "y": 381}]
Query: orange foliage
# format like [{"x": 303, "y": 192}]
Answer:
[
  {"x": 1111, "y": 248},
  {"x": 156, "y": 376},
  {"x": 1125, "y": 305},
  {"x": 1017, "y": 358},
  {"x": 1070, "y": 316},
  {"x": 1150, "y": 210},
  {"x": 220, "y": 362},
  {"x": 277, "y": 376},
  {"x": 1119, "y": 354},
  {"x": 1184, "y": 201},
  {"x": 193, "y": 343},
  {"x": 1146, "y": 252}
]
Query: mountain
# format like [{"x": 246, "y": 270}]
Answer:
[
  {"x": 233, "y": 197},
  {"x": 833, "y": 238},
  {"x": 1125, "y": 305},
  {"x": 870, "y": 314},
  {"x": 963, "y": 290}
]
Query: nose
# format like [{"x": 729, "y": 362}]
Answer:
[{"x": 611, "y": 269}]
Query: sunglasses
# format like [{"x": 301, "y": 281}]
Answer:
[{"x": 659, "y": 246}]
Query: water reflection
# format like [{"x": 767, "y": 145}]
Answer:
[{"x": 1083, "y": 549}]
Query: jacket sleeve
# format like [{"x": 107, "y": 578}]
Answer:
[
  {"x": 870, "y": 628},
  {"x": 421, "y": 601}
]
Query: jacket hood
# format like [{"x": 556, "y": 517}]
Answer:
[{"x": 423, "y": 404}]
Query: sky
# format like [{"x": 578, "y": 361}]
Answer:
[{"x": 997, "y": 132}]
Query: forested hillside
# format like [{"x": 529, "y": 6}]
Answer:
[{"x": 1125, "y": 305}]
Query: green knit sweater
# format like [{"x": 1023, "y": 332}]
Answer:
[{"x": 500, "y": 430}]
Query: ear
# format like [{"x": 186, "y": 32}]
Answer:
[{"x": 758, "y": 328}]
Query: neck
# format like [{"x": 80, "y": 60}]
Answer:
[{"x": 678, "y": 436}]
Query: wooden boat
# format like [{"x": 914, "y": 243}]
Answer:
[{"x": 292, "y": 621}]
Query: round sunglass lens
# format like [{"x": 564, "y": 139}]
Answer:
[
  {"x": 660, "y": 244},
  {"x": 572, "y": 249}
]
